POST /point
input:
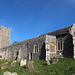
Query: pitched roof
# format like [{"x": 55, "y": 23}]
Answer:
[{"x": 60, "y": 31}]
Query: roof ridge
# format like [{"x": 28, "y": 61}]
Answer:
[{"x": 59, "y": 29}]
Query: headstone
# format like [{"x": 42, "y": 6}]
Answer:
[
  {"x": 30, "y": 66},
  {"x": 1, "y": 59},
  {"x": 14, "y": 73},
  {"x": 23, "y": 62},
  {"x": 55, "y": 61},
  {"x": 7, "y": 73},
  {"x": 48, "y": 62},
  {"x": 2, "y": 66},
  {"x": 13, "y": 64},
  {"x": 6, "y": 62},
  {"x": 14, "y": 61}
]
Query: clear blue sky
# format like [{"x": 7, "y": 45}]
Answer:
[{"x": 28, "y": 18}]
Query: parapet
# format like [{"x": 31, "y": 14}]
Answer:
[{"x": 4, "y": 28}]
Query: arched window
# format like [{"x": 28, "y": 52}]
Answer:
[{"x": 36, "y": 48}]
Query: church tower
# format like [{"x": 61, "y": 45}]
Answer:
[{"x": 4, "y": 36}]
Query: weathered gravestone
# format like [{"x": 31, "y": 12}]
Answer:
[
  {"x": 48, "y": 62},
  {"x": 14, "y": 73},
  {"x": 14, "y": 61},
  {"x": 7, "y": 73},
  {"x": 6, "y": 62},
  {"x": 55, "y": 61},
  {"x": 30, "y": 66},
  {"x": 13, "y": 64},
  {"x": 1, "y": 59},
  {"x": 23, "y": 62},
  {"x": 2, "y": 66}
]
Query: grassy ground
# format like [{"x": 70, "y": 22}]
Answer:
[{"x": 65, "y": 66}]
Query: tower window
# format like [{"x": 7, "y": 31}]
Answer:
[{"x": 35, "y": 48}]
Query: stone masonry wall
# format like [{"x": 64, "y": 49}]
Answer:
[
  {"x": 22, "y": 49},
  {"x": 40, "y": 41},
  {"x": 68, "y": 46}
]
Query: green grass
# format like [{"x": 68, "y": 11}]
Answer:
[{"x": 65, "y": 66}]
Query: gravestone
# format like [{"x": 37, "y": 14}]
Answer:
[
  {"x": 1, "y": 59},
  {"x": 14, "y": 73},
  {"x": 14, "y": 61},
  {"x": 48, "y": 62},
  {"x": 7, "y": 73},
  {"x": 23, "y": 62},
  {"x": 55, "y": 61},
  {"x": 6, "y": 62},
  {"x": 30, "y": 66},
  {"x": 13, "y": 64},
  {"x": 2, "y": 66}
]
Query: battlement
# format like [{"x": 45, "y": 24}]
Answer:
[{"x": 4, "y": 28}]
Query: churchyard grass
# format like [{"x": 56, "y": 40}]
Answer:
[{"x": 65, "y": 66}]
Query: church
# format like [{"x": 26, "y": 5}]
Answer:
[{"x": 55, "y": 44}]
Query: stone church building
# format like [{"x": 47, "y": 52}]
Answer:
[{"x": 59, "y": 43}]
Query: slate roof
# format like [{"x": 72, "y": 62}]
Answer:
[{"x": 60, "y": 31}]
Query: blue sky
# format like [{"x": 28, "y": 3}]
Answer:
[{"x": 28, "y": 18}]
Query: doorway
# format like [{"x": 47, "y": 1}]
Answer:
[
  {"x": 30, "y": 56},
  {"x": 17, "y": 53}
]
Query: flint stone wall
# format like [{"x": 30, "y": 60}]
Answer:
[
  {"x": 22, "y": 49},
  {"x": 67, "y": 45}
]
